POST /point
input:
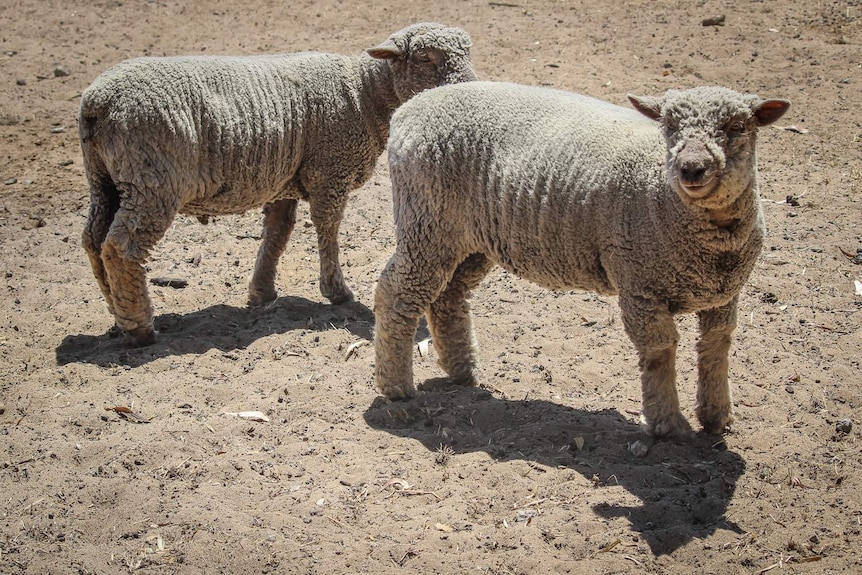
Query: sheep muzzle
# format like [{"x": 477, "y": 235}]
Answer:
[{"x": 696, "y": 169}]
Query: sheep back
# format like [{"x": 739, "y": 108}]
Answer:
[{"x": 227, "y": 134}]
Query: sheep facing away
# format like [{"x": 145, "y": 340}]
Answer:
[
  {"x": 207, "y": 136},
  {"x": 574, "y": 193}
]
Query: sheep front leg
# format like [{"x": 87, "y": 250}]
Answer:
[
  {"x": 279, "y": 219},
  {"x": 713, "y": 403},
  {"x": 327, "y": 211},
  {"x": 451, "y": 324},
  {"x": 653, "y": 331}
]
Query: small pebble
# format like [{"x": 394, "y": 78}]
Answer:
[
  {"x": 844, "y": 426},
  {"x": 638, "y": 448},
  {"x": 525, "y": 514},
  {"x": 769, "y": 297},
  {"x": 21, "y": 81},
  {"x": 58, "y": 130},
  {"x": 11, "y": 181},
  {"x": 60, "y": 71}
]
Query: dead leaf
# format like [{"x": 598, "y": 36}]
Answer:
[
  {"x": 176, "y": 283},
  {"x": 351, "y": 349},
  {"x": 444, "y": 527},
  {"x": 119, "y": 409},
  {"x": 794, "y": 129},
  {"x": 397, "y": 483},
  {"x": 127, "y": 414},
  {"x": 714, "y": 21},
  {"x": 249, "y": 415}
]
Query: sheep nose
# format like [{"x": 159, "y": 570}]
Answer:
[
  {"x": 696, "y": 165},
  {"x": 692, "y": 173}
]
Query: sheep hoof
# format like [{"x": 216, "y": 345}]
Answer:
[
  {"x": 716, "y": 425},
  {"x": 261, "y": 296},
  {"x": 141, "y": 336},
  {"x": 676, "y": 425},
  {"x": 467, "y": 380},
  {"x": 399, "y": 393},
  {"x": 342, "y": 297},
  {"x": 441, "y": 383}
]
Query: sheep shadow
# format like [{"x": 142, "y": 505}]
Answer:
[
  {"x": 221, "y": 327},
  {"x": 685, "y": 485}
]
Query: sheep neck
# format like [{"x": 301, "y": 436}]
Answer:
[
  {"x": 730, "y": 227},
  {"x": 724, "y": 220},
  {"x": 378, "y": 92}
]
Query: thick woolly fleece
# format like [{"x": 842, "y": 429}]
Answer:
[
  {"x": 575, "y": 193},
  {"x": 221, "y": 135}
]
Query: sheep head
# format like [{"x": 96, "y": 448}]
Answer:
[
  {"x": 710, "y": 134},
  {"x": 424, "y": 56}
]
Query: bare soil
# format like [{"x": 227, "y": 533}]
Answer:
[{"x": 534, "y": 472}]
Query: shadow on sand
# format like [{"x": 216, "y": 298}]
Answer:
[
  {"x": 220, "y": 327},
  {"x": 685, "y": 484}
]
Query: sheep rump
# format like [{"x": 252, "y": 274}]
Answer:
[
  {"x": 214, "y": 135},
  {"x": 574, "y": 193}
]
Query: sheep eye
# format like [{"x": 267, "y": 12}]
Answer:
[
  {"x": 423, "y": 56},
  {"x": 736, "y": 127}
]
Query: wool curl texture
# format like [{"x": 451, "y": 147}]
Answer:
[
  {"x": 658, "y": 205},
  {"x": 215, "y": 135}
]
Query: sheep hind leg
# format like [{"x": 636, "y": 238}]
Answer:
[
  {"x": 133, "y": 310},
  {"x": 278, "y": 222},
  {"x": 104, "y": 202},
  {"x": 654, "y": 334},
  {"x": 713, "y": 400},
  {"x": 451, "y": 323},
  {"x": 400, "y": 299},
  {"x": 125, "y": 249}
]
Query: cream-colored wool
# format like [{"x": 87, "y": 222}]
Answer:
[
  {"x": 207, "y": 136},
  {"x": 575, "y": 193}
]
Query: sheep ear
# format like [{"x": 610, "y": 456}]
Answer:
[
  {"x": 649, "y": 106},
  {"x": 768, "y": 111},
  {"x": 388, "y": 50}
]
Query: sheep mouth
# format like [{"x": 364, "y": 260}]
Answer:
[{"x": 696, "y": 189}]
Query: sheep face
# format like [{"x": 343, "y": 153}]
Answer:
[
  {"x": 710, "y": 134},
  {"x": 425, "y": 56}
]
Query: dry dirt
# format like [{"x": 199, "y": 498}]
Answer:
[{"x": 531, "y": 473}]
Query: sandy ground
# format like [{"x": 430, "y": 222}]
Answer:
[{"x": 531, "y": 473}]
